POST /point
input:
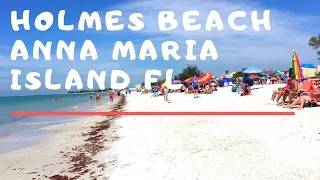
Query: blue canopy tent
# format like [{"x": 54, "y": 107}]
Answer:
[
  {"x": 225, "y": 82},
  {"x": 308, "y": 66}
]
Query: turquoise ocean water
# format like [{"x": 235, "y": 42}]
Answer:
[{"x": 18, "y": 132}]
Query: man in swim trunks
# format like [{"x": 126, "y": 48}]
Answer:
[
  {"x": 195, "y": 86},
  {"x": 293, "y": 91}
]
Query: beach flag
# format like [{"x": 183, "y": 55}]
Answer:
[{"x": 296, "y": 66}]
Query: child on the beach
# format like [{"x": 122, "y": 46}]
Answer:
[{"x": 165, "y": 90}]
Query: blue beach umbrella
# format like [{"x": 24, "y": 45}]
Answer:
[
  {"x": 213, "y": 80},
  {"x": 252, "y": 70}
]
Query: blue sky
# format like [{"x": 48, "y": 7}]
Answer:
[{"x": 292, "y": 24}]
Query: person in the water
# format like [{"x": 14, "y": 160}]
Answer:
[
  {"x": 111, "y": 96},
  {"x": 58, "y": 99}
]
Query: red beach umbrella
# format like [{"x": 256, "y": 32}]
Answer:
[
  {"x": 189, "y": 80},
  {"x": 203, "y": 78},
  {"x": 254, "y": 76}
]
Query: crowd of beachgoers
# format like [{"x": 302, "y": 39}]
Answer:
[{"x": 294, "y": 91}]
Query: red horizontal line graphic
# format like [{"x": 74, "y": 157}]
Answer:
[{"x": 152, "y": 113}]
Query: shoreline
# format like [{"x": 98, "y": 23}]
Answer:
[
  {"x": 27, "y": 131},
  {"x": 67, "y": 154}
]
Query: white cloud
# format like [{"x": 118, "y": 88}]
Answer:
[{"x": 288, "y": 31}]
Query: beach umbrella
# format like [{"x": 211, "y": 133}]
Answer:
[
  {"x": 254, "y": 76},
  {"x": 252, "y": 70},
  {"x": 214, "y": 80},
  {"x": 277, "y": 72},
  {"x": 189, "y": 80},
  {"x": 296, "y": 66},
  {"x": 224, "y": 76},
  {"x": 268, "y": 71},
  {"x": 205, "y": 77},
  {"x": 176, "y": 81},
  {"x": 308, "y": 66},
  {"x": 213, "y": 77}
]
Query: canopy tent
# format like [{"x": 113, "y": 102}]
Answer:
[
  {"x": 225, "y": 82},
  {"x": 308, "y": 66}
]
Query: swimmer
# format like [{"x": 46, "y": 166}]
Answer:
[{"x": 58, "y": 99}]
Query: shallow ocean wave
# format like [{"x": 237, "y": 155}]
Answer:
[{"x": 22, "y": 128}]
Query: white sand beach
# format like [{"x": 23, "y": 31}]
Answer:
[{"x": 184, "y": 147}]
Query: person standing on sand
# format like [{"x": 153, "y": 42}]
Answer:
[
  {"x": 111, "y": 96},
  {"x": 195, "y": 86},
  {"x": 98, "y": 96},
  {"x": 165, "y": 90}
]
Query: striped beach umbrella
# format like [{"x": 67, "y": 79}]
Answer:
[
  {"x": 268, "y": 71},
  {"x": 296, "y": 66}
]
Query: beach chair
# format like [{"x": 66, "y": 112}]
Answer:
[
  {"x": 306, "y": 87},
  {"x": 315, "y": 98}
]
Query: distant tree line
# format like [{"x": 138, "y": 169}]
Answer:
[{"x": 314, "y": 42}]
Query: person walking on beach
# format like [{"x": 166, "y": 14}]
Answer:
[
  {"x": 165, "y": 90},
  {"x": 195, "y": 86},
  {"x": 97, "y": 96},
  {"x": 111, "y": 96}
]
